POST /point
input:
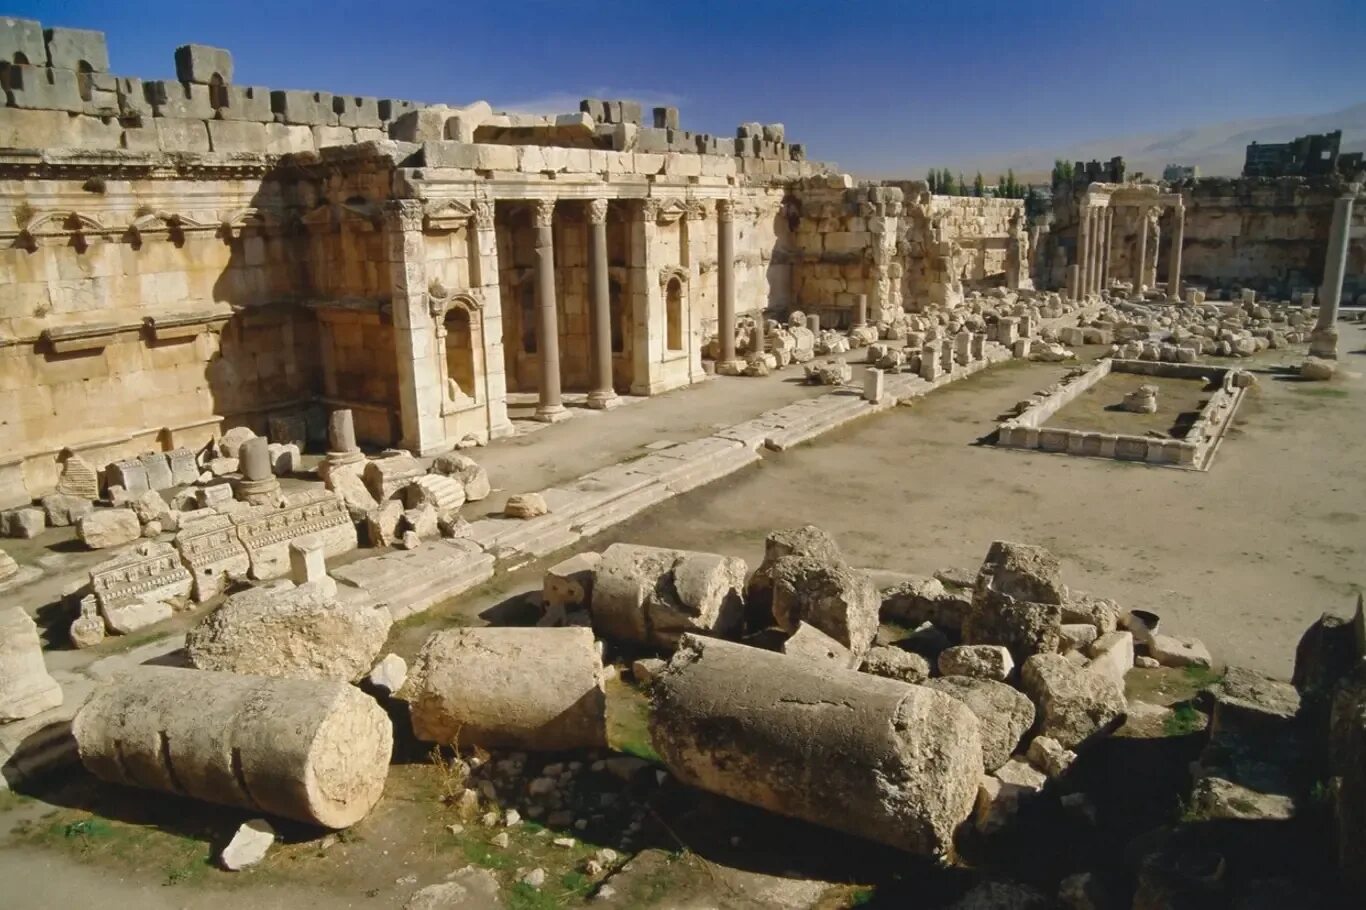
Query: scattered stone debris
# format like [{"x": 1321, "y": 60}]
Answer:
[{"x": 248, "y": 846}]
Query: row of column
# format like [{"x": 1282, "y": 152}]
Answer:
[
  {"x": 1095, "y": 242},
  {"x": 550, "y": 407}
]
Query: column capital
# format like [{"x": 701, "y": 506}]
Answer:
[
  {"x": 483, "y": 213},
  {"x": 543, "y": 212},
  {"x": 725, "y": 210},
  {"x": 597, "y": 211},
  {"x": 403, "y": 214}
]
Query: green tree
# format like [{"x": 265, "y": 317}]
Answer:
[
  {"x": 962, "y": 185},
  {"x": 979, "y": 186},
  {"x": 947, "y": 186},
  {"x": 1013, "y": 189},
  {"x": 933, "y": 180}
]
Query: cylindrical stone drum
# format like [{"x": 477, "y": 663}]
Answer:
[
  {"x": 311, "y": 750},
  {"x": 870, "y": 756},
  {"x": 539, "y": 689}
]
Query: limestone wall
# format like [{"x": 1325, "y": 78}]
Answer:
[
  {"x": 1268, "y": 234},
  {"x": 843, "y": 243}
]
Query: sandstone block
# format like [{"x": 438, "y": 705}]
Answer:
[
  {"x": 977, "y": 662},
  {"x": 840, "y": 601},
  {"x": 1074, "y": 703},
  {"x": 63, "y": 510},
  {"x": 25, "y": 523},
  {"x": 468, "y": 471},
  {"x": 26, "y": 688},
  {"x": 515, "y": 688},
  {"x": 203, "y": 64},
  {"x": 300, "y": 633},
  {"x": 1004, "y": 714},
  {"x": 810, "y": 643},
  {"x": 313, "y": 751},
  {"x": 895, "y": 663},
  {"x": 807, "y": 540},
  {"x": 1171, "y": 651},
  {"x": 568, "y": 585},
  {"x": 1112, "y": 655},
  {"x": 248, "y": 846},
  {"x": 525, "y": 505},
  {"x": 876, "y": 758},
  {"x": 386, "y": 477},
  {"x": 653, "y": 596},
  {"x": 109, "y": 528}
]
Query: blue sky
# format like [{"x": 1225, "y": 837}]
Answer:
[{"x": 881, "y": 87}]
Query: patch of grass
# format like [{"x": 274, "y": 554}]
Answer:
[
  {"x": 489, "y": 857},
  {"x": 628, "y": 721},
  {"x": 1245, "y": 806},
  {"x": 1183, "y": 720},
  {"x": 85, "y": 828},
  {"x": 1202, "y": 677},
  {"x": 1318, "y": 391},
  {"x": 862, "y": 897}
]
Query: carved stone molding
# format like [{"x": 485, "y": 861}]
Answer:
[
  {"x": 440, "y": 300},
  {"x": 725, "y": 210},
  {"x": 669, "y": 273},
  {"x": 543, "y": 213},
  {"x": 483, "y": 213},
  {"x": 447, "y": 215},
  {"x": 597, "y": 211}
]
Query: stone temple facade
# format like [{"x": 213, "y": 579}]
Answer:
[{"x": 180, "y": 257}]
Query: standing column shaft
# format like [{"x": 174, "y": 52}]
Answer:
[
  {"x": 1097, "y": 235},
  {"x": 1335, "y": 263},
  {"x": 1324, "y": 340},
  {"x": 551, "y": 406},
  {"x": 861, "y": 311},
  {"x": 1083, "y": 252},
  {"x": 1105, "y": 239},
  {"x": 1178, "y": 237},
  {"x": 725, "y": 279},
  {"x": 1142, "y": 250},
  {"x": 602, "y": 395}
]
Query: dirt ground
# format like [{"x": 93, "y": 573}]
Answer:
[
  {"x": 1098, "y": 409},
  {"x": 1244, "y": 557}
]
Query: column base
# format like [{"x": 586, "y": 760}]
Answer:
[
  {"x": 730, "y": 367},
  {"x": 259, "y": 492},
  {"x": 552, "y": 414},
  {"x": 1323, "y": 343},
  {"x": 603, "y": 401}
]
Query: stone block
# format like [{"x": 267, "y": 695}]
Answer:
[
  {"x": 132, "y": 97},
  {"x": 158, "y": 470},
  {"x": 285, "y": 139},
  {"x": 355, "y": 111},
  {"x": 568, "y": 585},
  {"x": 237, "y": 136},
  {"x": 303, "y": 108},
  {"x": 480, "y": 157},
  {"x": 200, "y": 63},
  {"x": 246, "y": 102},
  {"x": 666, "y": 118},
  {"x": 327, "y": 136},
  {"x": 175, "y": 134},
  {"x": 130, "y": 474},
  {"x": 184, "y": 470},
  {"x": 182, "y": 100},
  {"x": 420, "y": 125},
  {"x": 593, "y": 107},
  {"x": 40, "y": 88},
  {"x": 21, "y": 41},
  {"x": 80, "y": 49}
]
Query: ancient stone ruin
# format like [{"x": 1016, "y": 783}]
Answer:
[{"x": 301, "y": 568}]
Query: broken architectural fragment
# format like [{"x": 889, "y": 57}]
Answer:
[
  {"x": 310, "y": 750},
  {"x": 650, "y": 595},
  {"x": 300, "y": 632},
  {"x": 840, "y": 601},
  {"x": 876, "y": 758},
  {"x": 514, "y": 688},
  {"x": 1074, "y": 703},
  {"x": 1004, "y": 714},
  {"x": 26, "y": 688}
]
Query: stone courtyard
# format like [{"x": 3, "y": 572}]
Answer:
[{"x": 423, "y": 506}]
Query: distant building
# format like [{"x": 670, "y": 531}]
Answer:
[
  {"x": 1306, "y": 156},
  {"x": 1173, "y": 173}
]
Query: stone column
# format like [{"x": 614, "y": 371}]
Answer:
[
  {"x": 1324, "y": 340},
  {"x": 1097, "y": 226},
  {"x": 1178, "y": 236},
  {"x": 484, "y": 277},
  {"x": 1074, "y": 282},
  {"x": 1139, "y": 264},
  {"x": 419, "y": 379},
  {"x": 1106, "y": 239},
  {"x": 725, "y": 283},
  {"x": 1083, "y": 252},
  {"x": 551, "y": 407},
  {"x": 861, "y": 310},
  {"x": 603, "y": 395}
]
